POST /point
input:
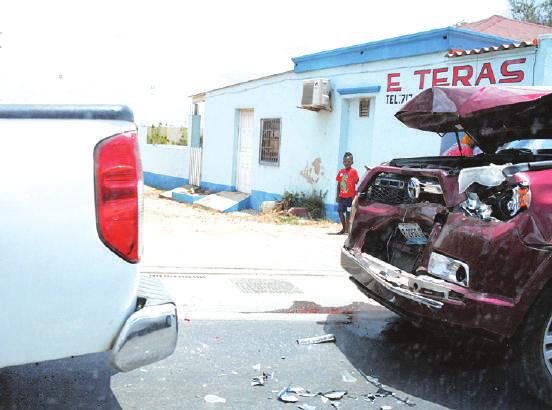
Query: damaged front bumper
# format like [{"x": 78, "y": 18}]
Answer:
[
  {"x": 422, "y": 298},
  {"x": 150, "y": 333}
]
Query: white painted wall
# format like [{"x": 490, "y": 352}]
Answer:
[
  {"x": 308, "y": 135},
  {"x": 313, "y": 141},
  {"x": 170, "y": 160}
]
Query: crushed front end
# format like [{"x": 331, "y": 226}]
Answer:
[{"x": 436, "y": 251}]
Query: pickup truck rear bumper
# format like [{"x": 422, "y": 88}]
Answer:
[{"x": 149, "y": 334}]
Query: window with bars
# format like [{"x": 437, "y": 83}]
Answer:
[
  {"x": 364, "y": 107},
  {"x": 270, "y": 141}
]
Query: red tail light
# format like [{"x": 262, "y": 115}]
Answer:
[{"x": 118, "y": 183}]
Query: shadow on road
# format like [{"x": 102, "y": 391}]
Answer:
[
  {"x": 73, "y": 383},
  {"x": 456, "y": 372}
]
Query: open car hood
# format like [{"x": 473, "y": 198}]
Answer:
[{"x": 492, "y": 115}]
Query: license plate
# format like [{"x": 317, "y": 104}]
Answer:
[{"x": 412, "y": 233}]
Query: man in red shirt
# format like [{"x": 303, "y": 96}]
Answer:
[{"x": 347, "y": 179}]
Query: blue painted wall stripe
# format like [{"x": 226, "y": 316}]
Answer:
[
  {"x": 254, "y": 201},
  {"x": 160, "y": 181},
  {"x": 359, "y": 90},
  {"x": 216, "y": 187},
  {"x": 189, "y": 199},
  {"x": 258, "y": 197}
]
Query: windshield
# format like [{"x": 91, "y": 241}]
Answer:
[{"x": 533, "y": 145}]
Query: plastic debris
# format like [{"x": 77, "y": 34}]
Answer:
[
  {"x": 307, "y": 394},
  {"x": 348, "y": 377},
  {"x": 382, "y": 391},
  {"x": 318, "y": 339},
  {"x": 287, "y": 396},
  {"x": 212, "y": 398},
  {"x": 306, "y": 407},
  {"x": 261, "y": 380},
  {"x": 334, "y": 394},
  {"x": 258, "y": 381},
  {"x": 369, "y": 397}
]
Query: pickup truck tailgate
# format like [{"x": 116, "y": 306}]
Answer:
[{"x": 62, "y": 291}]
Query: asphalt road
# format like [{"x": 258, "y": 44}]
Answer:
[
  {"x": 246, "y": 304},
  {"x": 218, "y": 357}
]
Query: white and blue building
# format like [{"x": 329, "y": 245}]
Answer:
[{"x": 258, "y": 140}]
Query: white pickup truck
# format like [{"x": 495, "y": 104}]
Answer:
[{"x": 71, "y": 208}]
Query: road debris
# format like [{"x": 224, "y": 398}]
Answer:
[
  {"x": 334, "y": 394},
  {"x": 287, "y": 396},
  {"x": 348, "y": 377},
  {"x": 307, "y": 393},
  {"x": 259, "y": 381},
  {"x": 386, "y": 408},
  {"x": 212, "y": 398},
  {"x": 382, "y": 391},
  {"x": 318, "y": 339}
]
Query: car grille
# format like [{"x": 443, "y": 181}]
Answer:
[
  {"x": 386, "y": 195},
  {"x": 393, "y": 189}
]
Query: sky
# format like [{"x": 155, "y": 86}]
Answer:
[{"x": 152, "y": 55}]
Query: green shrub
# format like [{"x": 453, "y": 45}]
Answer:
[
  {"x": 314, "y": 202},
  {"x": 183, "y": 137},
  {"x": 290, "y": 200},
  {"x": 155, "y": 137}
]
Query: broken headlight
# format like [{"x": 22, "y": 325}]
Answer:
[
  {"x": 451, "y": 270},
  {"x": 502, "y": 203},
  {"x": 514, "y": 200}
]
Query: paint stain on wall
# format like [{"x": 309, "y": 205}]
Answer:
[{"x": 313, "y": 171}]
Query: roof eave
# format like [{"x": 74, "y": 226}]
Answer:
[{"x": 426, "y": 42}]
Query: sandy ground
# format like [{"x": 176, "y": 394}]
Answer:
[{"x": 184, "y": 236}]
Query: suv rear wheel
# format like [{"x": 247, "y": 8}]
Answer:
[{"x": 535, "y": 347}]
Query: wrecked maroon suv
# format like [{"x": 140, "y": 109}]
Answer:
[{"x": 466, "y": 241}]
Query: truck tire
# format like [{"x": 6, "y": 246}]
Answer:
[{"x": 535, "y": 347}]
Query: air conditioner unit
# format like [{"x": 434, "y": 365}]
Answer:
[{"x": 316, "y": 94}]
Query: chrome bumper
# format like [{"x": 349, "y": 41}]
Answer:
[
  {"x": 365, "y": 268},
  {"x": 149, "y": 334}
]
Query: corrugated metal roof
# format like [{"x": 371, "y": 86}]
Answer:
[{"x": 483, "y": 50}]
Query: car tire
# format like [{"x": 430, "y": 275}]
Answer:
[{"x": 536, "y": 369}]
